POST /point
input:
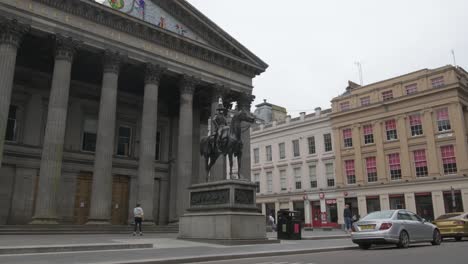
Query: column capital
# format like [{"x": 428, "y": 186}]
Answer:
[
  {"x": 112, "y": 60},
  {"x": 65, "y": 47},
  {"x": 11, "y": 32},
  {"x": 187, "y": 84},
  {"x": 153, "y": 73}
]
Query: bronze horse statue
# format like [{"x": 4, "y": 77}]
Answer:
[{"x": 231, "y": 146}]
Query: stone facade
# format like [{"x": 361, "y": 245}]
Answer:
[
  {"x": 99, "y": 109},
  {"x": 401, "y": 143},
  {"x": 293, "y": 166}
]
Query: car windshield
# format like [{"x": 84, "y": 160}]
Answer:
[
  {"x": 447, "y": 216},
  {"x": 379, "y": 215}
]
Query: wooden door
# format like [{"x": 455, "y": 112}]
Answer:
[
  {"x": 83, "y": 198},
  {"x": 120, "y": 200}
]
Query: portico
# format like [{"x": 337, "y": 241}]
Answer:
[{"x": 119, "y": 100}]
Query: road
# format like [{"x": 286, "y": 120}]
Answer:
[{"x": 448, "y": 252}]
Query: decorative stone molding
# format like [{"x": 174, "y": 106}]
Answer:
[
  {"x": 187, "y": 84},
  {"x": 153, "y": 73},
  {"x": 65, "y": 47},
  {"x": 11, "y": 32},
  {"x": 112, "y": 61},
  {"x": 96, "y": 13}
]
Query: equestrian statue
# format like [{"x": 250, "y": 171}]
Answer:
[{"x": 225, "y": 138}]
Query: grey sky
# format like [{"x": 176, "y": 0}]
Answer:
[{"x": 311, "y": 45}]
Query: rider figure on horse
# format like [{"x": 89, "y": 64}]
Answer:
[{"x": 218, "y": 127}]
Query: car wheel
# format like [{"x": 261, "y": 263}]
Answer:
[
  {"x": 404, "y": 240},
  {"x": 364, "y": 246},
  {"x": 458, "y": 238},
  {"x": 436, "y": 238}
]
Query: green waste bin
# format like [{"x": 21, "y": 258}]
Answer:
[{"x": 289, "y": 225}]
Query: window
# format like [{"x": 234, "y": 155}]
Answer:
[
  {"x": 347, "y": 138},
  {"x": 311, "y": 141},
  {"x": 313, "y": 176},
  {"x": 157, "y": 156},
  {"x": 257, "y": 182},
  {"x": 123, "y": 144},
  {"x": 395, "y": 168},
  {"x": 269, "y": 176},
  {"x": 268, "y": 153},
  {"x": 420, "y": 163},
  {"x": 371, "y": 166},
  {"x": 12, "y": 122},
  {"x": 416, "y": 125},
  {"x": 365, "y": 101},
  {"x": 330, "y": 173},
  {"x": 256, "y": 155},
  {"x": 368, "y": 134},
  {"x": 296, "y": 148},
  {"x": 298, "y": 178},
  {"x": 438, "y": 82},
  {"x": 328, "y": 142},
  {"x": 283, "y": 180},
  {"x": 390, "y": 128},
  {"x": 344, "y": 106},
  {"x": 448, "y": 159},
  {"x": 282, "y": 150},
  {"x": 443, "y": 121},
  {"x": 412, "y": 88},
  {"x": 387, "y": 95},
  {"x": 89, "y": 135},
  {"x": 350, "y": 174}
]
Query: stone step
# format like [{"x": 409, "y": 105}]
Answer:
[{"x": 81, "y": 229}]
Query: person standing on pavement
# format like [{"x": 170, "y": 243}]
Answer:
[
  {"x": 138, "y": 216},
  {"x": 271, "y": 221},
  {"x": 348, "y": 218}
]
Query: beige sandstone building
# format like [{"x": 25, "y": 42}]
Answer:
[
  {"x": 103, "y": 106},
  {"x": 402, "y": 143}
]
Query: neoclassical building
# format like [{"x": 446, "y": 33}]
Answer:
[
  {"x": 103, "y": 106},
  {"x": 402, "y": 143},
  {"x": 293, "y": 164}
]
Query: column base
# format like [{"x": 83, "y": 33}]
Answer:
[
  {"x": 98, "y": 222},
  {"x": 44, "y": 221}
]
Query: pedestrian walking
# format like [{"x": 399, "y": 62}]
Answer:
[
  {"x": 138, "y": 217},
  {"x": 271, "y": 221},
  {"x": 348, "y": 218}
]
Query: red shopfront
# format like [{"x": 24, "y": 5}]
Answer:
[{"x": 329, "y": 218}]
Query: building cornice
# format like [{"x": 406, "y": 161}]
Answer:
[{"x": 103, "y": 15}]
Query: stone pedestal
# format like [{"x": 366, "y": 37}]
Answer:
[{"x": 223, "y": 212}]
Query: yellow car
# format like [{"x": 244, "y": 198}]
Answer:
[{"x": 453, "y": 225}]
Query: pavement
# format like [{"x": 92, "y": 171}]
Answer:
[{"x": 165, "y": 248}]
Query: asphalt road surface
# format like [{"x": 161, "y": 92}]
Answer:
[{"x": 447, "y": 253}]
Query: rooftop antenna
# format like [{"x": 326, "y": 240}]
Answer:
[
  {"x": 359, "y": 66},
  {"x": 453, "y": 56}
]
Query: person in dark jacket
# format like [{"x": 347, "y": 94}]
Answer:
[{"x": 348, "y": 218}]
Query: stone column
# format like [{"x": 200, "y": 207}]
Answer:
[
  {"x": 101, "y": 195},
  {"x": 405, "y": 159},
  {"x": 307, "y": 213},
  {"x": 163, "y": 203},
  {"x": 339, "y": 176},
  {"x": 459, "y": 128},
  {"x": 244, "y": 103},
  {"x": 277, "y": 208},
  {"x": 340, "y": 206},
  {"x": 381, "y": 159},
  {"x": 218, "y": 171},
  {"x": 431, "y": 152},
  {"x": 52, "y": 150},
  {"x": 148, "y": 141},
  {"x": 410, "y": 202},
  {"x": 263, "y": 209},
  {"x": 464, "y": 194},
  {"x": 384, "y": 202},
  {"x": 11, "y": 33},
  {"x": 438, "y": 203},
  {"x": 184, "y": 146},
  {"x": 362, "y": 205},
  {"x": 358, "y": 161}
]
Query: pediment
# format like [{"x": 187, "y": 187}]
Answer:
[{"x": 181, "y": 18}]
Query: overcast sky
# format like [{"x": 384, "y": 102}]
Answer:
[{"x": 312, "y": 46}]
